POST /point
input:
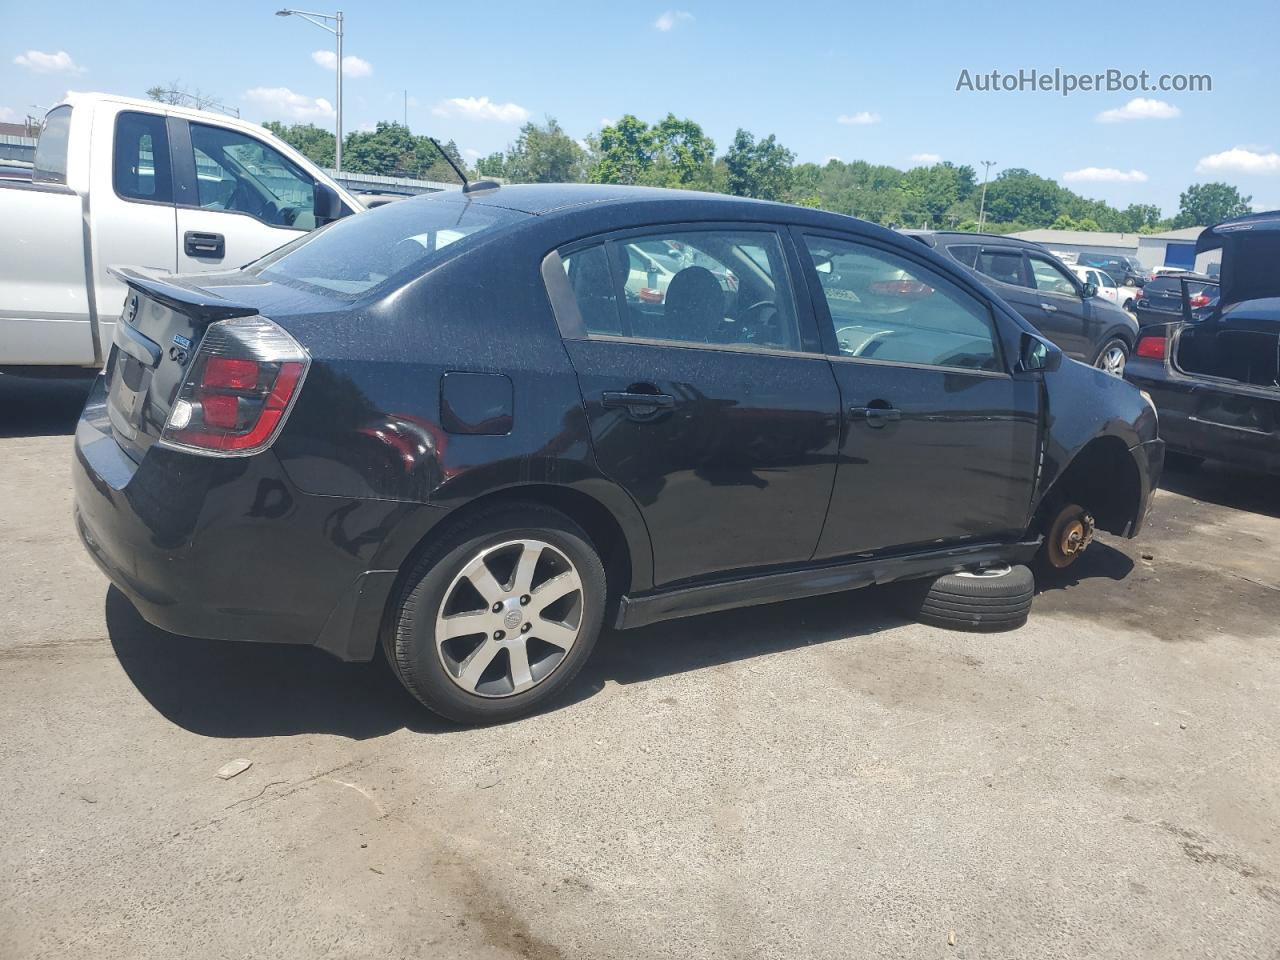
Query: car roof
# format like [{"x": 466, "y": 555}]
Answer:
[
  {"x": 932, "y": 238},
  {"x": 541, "y": 199}
]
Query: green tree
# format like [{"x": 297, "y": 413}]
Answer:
[
  {"x": 314, "y": 143},
  {"x": 1204, "y": 204},
  {"x": 1020, "y": 196},
  {"x": 494, "y": 165},
  {"x": 623, "y": 152},
  {"x": 1139, "y": 216},
  {"x": 543, "y": 154},
  {"x": 760, "y": 169},
  {"x": 391, "y": 150}
]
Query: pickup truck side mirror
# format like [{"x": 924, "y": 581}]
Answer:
[
  {"x": 329, "y": 206},
  {"x": 1039, "y": 354},
  {"x": 1090, "y": 290}
]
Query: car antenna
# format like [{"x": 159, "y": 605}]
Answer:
[{"x": 467, "y": 185}]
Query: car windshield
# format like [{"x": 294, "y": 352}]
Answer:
[{"x": 357, "y": 254}]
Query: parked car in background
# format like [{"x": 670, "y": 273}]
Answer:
[
  {"x": 1046, "y": 293},
  {"x": 1129, "y": 271},
  {"x": 481, "y": 450},
  {"x": 14, "y": 171},
  {"x": 1108, "y": 289},
  {"x": 1214, "y": 372},
  {"x": 1161, "y": 299},
  {"x": 138, "y": 182}
]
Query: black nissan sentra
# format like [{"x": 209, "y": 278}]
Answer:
[{"x": 478, "y": 426}]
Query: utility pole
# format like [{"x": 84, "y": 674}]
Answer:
[
  {"x": 982, "y": 207},
  {"x": 336, "y": 30}
]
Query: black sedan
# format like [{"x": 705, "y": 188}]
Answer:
[
  {"x": 1214, "y": 372},
  {"x": 469, "y": 425},
  {"x": 1161, "y": 300}
]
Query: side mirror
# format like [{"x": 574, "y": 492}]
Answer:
[
  {"x": 328, "y": 205},
  {"x": 1090, "y": 290},
  {"x": 1039, "y": 354}
]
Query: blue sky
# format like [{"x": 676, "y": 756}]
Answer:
[{"x": 889, "y": 70}]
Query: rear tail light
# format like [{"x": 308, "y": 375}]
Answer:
[
  {"x": 240, "y": 387},
  {"x": 651, "y": 295},
  {"x": 1199, "y": 300},
  {"x": 1153, "y": 347}
]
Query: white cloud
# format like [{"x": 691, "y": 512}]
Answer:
[
  {"x": 1104, "y": 175},
  {"x": 281, "y": 103},
  {"x": 672, "y": 19},
  {"x": 481, "y": 108},
  {"x": 925, "y": 159},
  {"x": 473, "y": 153},
  {"x": 8, "y": 114},
  {"x": 1240, "y": 160},
  {"x": 861, "y": 119},
  {"x": 351, "y": 66},
  {"x": 1140, "y": 108},
  {"x": 606, "y": 121},
  {"x": 59, "y": 62}
]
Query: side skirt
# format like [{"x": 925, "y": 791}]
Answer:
[{"x": 642, "y": 609}]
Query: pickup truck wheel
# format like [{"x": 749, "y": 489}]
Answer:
[
  {"x": 1112, "y": 357},
  {"x": 499, "y": 617},
  {"x": 987, "y": 600}
]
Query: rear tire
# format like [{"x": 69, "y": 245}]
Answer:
[
  {"x": 989, "y": 600},
  {"x": 478, "y": 633}
]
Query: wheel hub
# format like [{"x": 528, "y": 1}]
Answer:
[
  {"x": 509, "y": 618},
  {"x": 1070, "y": 536}
]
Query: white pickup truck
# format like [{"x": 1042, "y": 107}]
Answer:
[{"x": 121, "y": 181}]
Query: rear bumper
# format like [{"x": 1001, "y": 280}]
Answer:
[
  {"x": 229, "y": 549},
  {"x": 1182, "y": 403}
]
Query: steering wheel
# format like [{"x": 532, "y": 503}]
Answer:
[
  {"x": 242, "y": 198},
  {"x": 756, "y": 319}
]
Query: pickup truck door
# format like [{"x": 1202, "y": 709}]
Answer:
[{"x": 241, "y": 198}]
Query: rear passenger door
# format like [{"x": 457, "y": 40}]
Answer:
[
  {"x": 939, "y": 442},
  {"x": 708, "y": 398}
]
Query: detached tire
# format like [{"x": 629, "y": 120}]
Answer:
[
  {"x": 988, "y": 600},
  {"x": 497, "y": 618}
]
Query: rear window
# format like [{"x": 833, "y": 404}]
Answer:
[
  {"x": 357, "y": 254},
  {"x": 50, "y": 165},
  {"x": 1174, "y": 285}
]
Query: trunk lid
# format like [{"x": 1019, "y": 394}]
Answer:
[{"x": 159, "y": 331}]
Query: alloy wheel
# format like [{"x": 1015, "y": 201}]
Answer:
[
  {"x": 1112, "y": 360},
  {"x": 509, "y": 618}
]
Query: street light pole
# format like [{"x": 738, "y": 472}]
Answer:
[
  {"x": 982, "y": 207},
  {"x": 336, "y": 30}
]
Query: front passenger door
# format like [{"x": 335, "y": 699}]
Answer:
[
  {"x": 248, "y": 199},
  {"x": 1064, "y": 314},
  {"x": 939, "y": 441}
]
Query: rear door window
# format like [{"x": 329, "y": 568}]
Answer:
[
  {"x": 50, "y": 164},
  {"x": 1003, "y": 265},
  {"x": 140, "y": 158},
  {"x": 708, "y": 287}
]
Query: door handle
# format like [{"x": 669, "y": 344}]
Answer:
[
  {"x": 210, "y": 246},
  {"x": 1048, "y": 308},
  {"x": 639, "y": 406},
  {"x": 875, "y": 416}
]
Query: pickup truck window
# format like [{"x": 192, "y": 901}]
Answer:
[
  {"x": 50, "y": 164},
  {"x": 141, "y": 158},
  {"x": 235, "y": 172}
]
